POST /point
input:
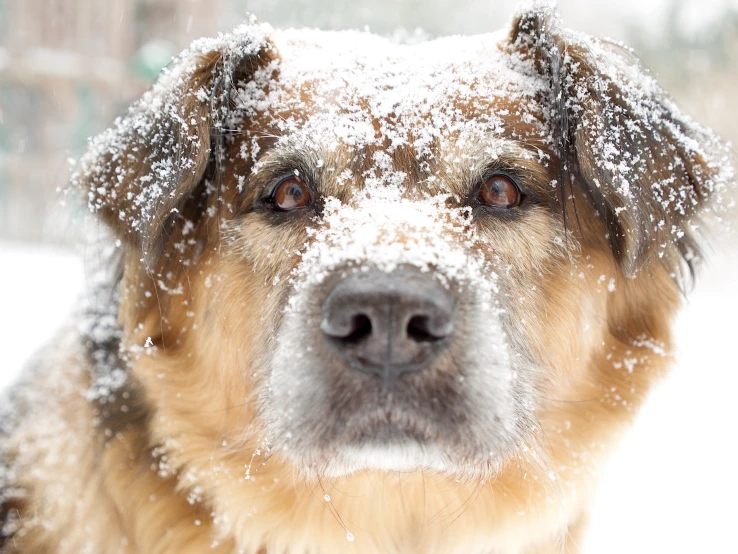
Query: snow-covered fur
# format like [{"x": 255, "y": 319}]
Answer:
[{"x": 197, "y": 405}]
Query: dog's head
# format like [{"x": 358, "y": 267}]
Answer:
[{"x": 367, "y": 255}]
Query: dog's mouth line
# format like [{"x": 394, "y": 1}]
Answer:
[
  {"x": 379, "y": 369},
  {"x": 391, "y": 423}
]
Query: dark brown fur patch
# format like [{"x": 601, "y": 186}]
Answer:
[{"x": 10, "y": 513}]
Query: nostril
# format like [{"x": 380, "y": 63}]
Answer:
[
  {"x": 361, "y": 328},
  {"x": 347, "y": 329},
  {"x": 419, "y": 331}
]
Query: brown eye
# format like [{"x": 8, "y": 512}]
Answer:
[
  {"x": 290, "y": 194},
  {"x": 500, "y": 191}
]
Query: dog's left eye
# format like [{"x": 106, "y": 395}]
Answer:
[
  {"x": 500, "y": 191},
  {"x": 289, "y": 194}
]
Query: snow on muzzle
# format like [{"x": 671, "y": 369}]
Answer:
[
  {"x": 392, "y": 335},
  {"x": 386, "y": 233}
]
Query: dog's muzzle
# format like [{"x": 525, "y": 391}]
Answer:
[{"x": 388, "y": 324}]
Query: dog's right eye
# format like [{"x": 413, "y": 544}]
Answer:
[
  {"x": 501, "y": 192},
  {"x": 290, "y": 194}
]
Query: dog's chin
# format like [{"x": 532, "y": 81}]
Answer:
[
  {"x": 405, "y": 457},
  {"x": 400, "y": 455}
]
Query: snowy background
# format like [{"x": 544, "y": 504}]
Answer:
[{"x": 67, "y": 68}]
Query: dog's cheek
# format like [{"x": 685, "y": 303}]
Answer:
[
  {"x": 554, "y": 294},
  {"x": 562, "y": 316},
  {"x": 230, "y": 315},
  {"x": 527, "y": 245},
  {"x": 242, "y": 297}
]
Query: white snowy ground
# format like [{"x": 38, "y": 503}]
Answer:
[{"x": 673, "y": 486}]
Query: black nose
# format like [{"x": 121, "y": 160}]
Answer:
[{"x": 388, "y": 324}]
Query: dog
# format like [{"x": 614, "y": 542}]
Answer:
[{"x": 363, "y": 297}]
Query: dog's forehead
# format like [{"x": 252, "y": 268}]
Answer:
[{"x": 328, "y": 90}]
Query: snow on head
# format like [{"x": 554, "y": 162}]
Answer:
[
  {"x": 585, "y": 106},
  {"x": 360, "y": 90}
]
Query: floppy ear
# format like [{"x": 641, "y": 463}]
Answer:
[
  {"x": 647, "y": 168},
  {"x": 140, "y": 173}
]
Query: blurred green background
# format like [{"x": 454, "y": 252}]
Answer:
[{"x": 68, "y": 67}]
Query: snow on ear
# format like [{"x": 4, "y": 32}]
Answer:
[
  {"x": 649, "y": 170},
  {"x": 139, "y": 173}
]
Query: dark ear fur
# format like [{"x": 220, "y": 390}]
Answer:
[
  {"x": 648, "y": 169},
  {"x": 140, "y": 173}
]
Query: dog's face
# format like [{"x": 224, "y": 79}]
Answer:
[
  {"x": 371, "y": 256},
  {"x": 397, "y": 344}
]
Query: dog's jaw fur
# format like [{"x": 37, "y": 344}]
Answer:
[{"x": 210, "y": 446}]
